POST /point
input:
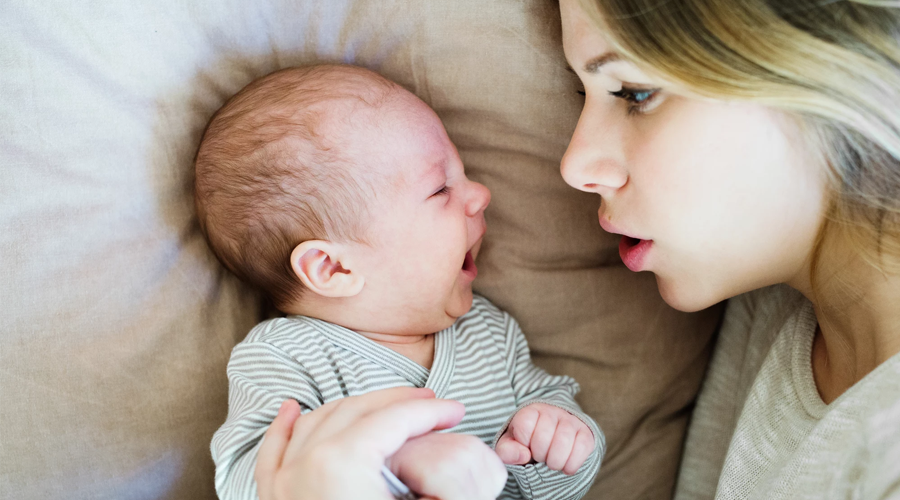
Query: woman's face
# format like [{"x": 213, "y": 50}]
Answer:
[{"x": 714, "y": 197}]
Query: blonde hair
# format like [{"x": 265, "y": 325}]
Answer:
[
  {"x": 834, "y": 65},
  {"x": 267, "y": 177}
]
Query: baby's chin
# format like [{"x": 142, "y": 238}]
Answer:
[
  {"x": 434, "y": 319},
  {"x": 459, "y": 305}
]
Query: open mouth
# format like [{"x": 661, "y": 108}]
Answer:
[
  {"x": 468, "y": 266},
  {"x": 634, "y": 251},
  {"x": 629, "y": 242}
]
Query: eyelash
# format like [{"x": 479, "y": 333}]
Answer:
[
  {"x": 630, "y": 96},
  {"x": 442, "y": 191}
]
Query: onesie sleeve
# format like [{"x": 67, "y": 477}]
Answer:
[
  {"x": 260, "y": 378},
  {"x": 533, "y": 385}
]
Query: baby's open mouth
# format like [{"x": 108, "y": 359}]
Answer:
[{"x": 468, "y": 266}]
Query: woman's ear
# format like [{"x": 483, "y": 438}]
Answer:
[{"x": 323, "y": 268}]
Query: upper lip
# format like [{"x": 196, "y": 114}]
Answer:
[
  {"x": 479, "y": 238},
  {"x": 477, "y": 241},
  {"x": 610, "y": 228}
]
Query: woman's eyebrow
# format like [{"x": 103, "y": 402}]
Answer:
[{"x": 594, "y": 64}]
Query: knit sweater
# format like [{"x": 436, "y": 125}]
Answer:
[{"x": 760, "y": 429}]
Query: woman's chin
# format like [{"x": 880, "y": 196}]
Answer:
[{"x": 685, "y": 297}]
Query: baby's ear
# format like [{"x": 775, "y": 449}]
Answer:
[{"x": 324, "y": 268}]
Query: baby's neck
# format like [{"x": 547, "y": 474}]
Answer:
[{"x": 419, "y": 348}]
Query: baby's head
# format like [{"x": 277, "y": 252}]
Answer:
[{"x": 339, "y": 194}]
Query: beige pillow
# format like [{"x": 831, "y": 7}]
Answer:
[{"x": 117, "y": 322}]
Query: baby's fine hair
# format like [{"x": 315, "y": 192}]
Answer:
[{"x": 269, "y": 176}]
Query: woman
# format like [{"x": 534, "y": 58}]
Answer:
[
  {"x": 740, "y": 147},
  {"x": 737, "y": 145}
]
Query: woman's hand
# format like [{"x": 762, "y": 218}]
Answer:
[{"x": 337, "y": 451}]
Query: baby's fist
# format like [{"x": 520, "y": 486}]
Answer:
[{"x": 548, "y": 434}]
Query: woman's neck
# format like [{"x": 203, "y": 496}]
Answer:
[{"x": 858, "y": 310}]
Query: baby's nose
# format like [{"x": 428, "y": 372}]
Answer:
[{"x": 479, "y": 198}]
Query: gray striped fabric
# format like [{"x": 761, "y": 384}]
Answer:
[{"x": 482, "y": 360}]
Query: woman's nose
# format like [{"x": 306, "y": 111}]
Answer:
[
  {"x": 479, "y": 198},
  {"x": 593, "y": 161}
]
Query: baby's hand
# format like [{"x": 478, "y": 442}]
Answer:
[
  {"x": 548, "y": 434},
  {"x": 449, "y": 466}
]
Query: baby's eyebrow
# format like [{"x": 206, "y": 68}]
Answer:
[{"x": 432, "y": 173}]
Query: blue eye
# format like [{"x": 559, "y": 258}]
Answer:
[
  {"x": 635, "y": 96},
  {"x": 637, "y": 99}
]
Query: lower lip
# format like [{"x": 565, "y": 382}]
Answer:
[
  {"x": 634, "y": 252},
  {"x": 469, "y": 269}
]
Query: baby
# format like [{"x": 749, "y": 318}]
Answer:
[{"x": 339, "y": 194}]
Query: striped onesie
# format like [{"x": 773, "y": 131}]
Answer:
[{"x": 482, "y": 361}]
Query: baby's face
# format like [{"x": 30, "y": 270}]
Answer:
[{"x": 427, "y": 220}]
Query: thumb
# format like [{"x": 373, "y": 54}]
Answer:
[
  {"x": 512, "y": 452},
  {"x": 274, "y": 444}
]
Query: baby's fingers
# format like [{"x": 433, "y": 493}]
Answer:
[
  {"x": 521, "y": 427},
  {"x": 562, "y": 444},
  {"x": 581, "y": 450},
  {"x": 271, "y": 451},
  {"x": 542, "y": 437},
  {"x": 512, "y": 452}
]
